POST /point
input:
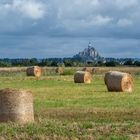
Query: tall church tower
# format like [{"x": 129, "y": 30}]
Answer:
[{"x": 89, "y": 45}]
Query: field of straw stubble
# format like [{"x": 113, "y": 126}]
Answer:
[{"x": 65, "y": 110}]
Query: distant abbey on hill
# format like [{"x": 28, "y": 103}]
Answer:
[{"x": 88, "y": 54}]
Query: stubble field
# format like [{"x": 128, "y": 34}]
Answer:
[{"x": 65, "y": 110}]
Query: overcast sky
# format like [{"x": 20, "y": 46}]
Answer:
[{"x": 62, "y": 28}]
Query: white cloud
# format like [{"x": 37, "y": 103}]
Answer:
[
  {"x": 71, "y": 17},
  {"x": 101, "y": 20},
  {"x": 73, "y": 9},
  {"x": 95, "y": 2},
  {"x": 19, "y": 15},
  {"x": 124, "y": 22},
  {"x": 126, "y": 3},
  {"x": 24, "y": 8},
  {"x": 29, "y": 8},
  {"x": 95, "y": 20},
  {"x": 91, "y": 21},
  {"x": 88, "y": 2}
]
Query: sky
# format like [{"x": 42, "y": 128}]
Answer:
[{"x": 62, "y": 28}]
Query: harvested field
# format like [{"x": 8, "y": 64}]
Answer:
[
  {"x": 65, "y": 110},
  {"x": 51, "y": 70}
]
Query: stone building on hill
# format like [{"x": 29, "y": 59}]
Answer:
[{"x": 88, "y": 55}]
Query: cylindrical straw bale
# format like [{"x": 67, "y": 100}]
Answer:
[
  {"x": 59, "y": 70},
  {"x": 34, "y": 71},
  {"x": 118, "y": 81},
  {"x": 95, "y": 70},
  {"x": 88, "y": 69},
  {"x": 16, "y": 106},
  {"x": 82, "y": 77}
]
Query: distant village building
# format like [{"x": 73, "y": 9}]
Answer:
[{"x": 89, "y": 55}]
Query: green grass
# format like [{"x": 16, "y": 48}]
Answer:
[{"x": 65, "y": 110}]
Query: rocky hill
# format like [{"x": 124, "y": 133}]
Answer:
[{"x": 88, "y": 54}]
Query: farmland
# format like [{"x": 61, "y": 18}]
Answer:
[{"x": 65, "y": 110}]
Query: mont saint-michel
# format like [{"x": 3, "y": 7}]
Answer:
[{"x": 88, "y": 54}]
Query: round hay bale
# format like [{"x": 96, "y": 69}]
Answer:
[
  {"x": 90, "y": 70},
  {"x": 95, "y": 70},
  {"x": 59, "y": 70},
  {"x": 34, "y": 71},
  {"x": 16, "y": 106},
  {"x": 82, "y": 77},
  {"x": 118, "y": 81}
]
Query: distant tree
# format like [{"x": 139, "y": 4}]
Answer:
[
  {"x": 33, "y": 61},
  {"x": 43, "y": 62},
  {"x": 100, "y": 63},
  {"x": 128, "y": 63},
  {"x": 5, "y": 64},
  {"x": 137, "y": 63},
  {"x": 111, "y": 64},
  {"x": 54, "y": 63},
  {"x": 60, "y": 64},
  {"x": 24, "y": 62},
  {"x": 68, "y": 62}
]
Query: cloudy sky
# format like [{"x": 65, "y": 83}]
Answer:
[{"x": 61, "y": 28}]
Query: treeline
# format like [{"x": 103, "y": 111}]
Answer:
[
  {"x": 68, "y": 62},
  {"x": 126, "y": 63}
]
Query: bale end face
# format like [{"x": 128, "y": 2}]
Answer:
[
  {"x": 16, "y": 106},
  {"x": 127, "y": 83}
]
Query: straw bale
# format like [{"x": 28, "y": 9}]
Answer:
[
  {"x": 88, "y": 69},
  {"x": 82, "y": 77},
  {"x": 34, "y": 71},
  {"x": 16, "y": 106},
  {"x": 59, "y": 70},
  {"x": 118, "y": 81}
]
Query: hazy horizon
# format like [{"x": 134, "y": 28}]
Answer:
[{"x": 60, "y": 28}]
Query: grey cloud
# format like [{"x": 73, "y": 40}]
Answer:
[
  {"x": 49, "y": 28},
  {"x": 44, "y": 47},
  {"x": 73, "y": 17}
]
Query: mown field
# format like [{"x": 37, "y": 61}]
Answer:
[{"x": 65, "y": 110}]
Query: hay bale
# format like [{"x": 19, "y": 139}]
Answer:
[
  {"x": 118, "y": 81},
  {"x": 90, "y": 70},
  {"x": 95, "y": 70},
  {"x": 82, "y": 77},
  {"x": 16, "y": 106},
  {"x": 34, "y": 71},
  {"x": 59, "y": 70}
]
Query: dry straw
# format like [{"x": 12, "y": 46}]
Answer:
[
  {"x": 95, "y": 70},
  {"x": 59, "y": 70},
  {"x": 118, "y": 81},
  {"x": 16, "y": 106},
  {"x": 91, "y": 70},
  {"x": 82, "y": 77},
  {"x": 88, "y": 70},
  {"x": 34, "y": 71}
]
